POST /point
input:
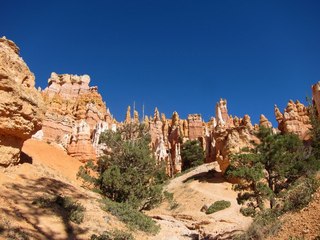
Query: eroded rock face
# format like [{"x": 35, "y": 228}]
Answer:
[
  {"x": 76, "y": 115},
  {"x": 195, "y": 127},
  {"x": 264, "y": 122},
  {"x": 219, "y": 137},
  {"x": 316, "y": 96},
  {"x": 21, "y": 105},
  {"x": 230, "y": 135},
  {"x": 295, "y": 119},
  {"x": 166, "y": 138}
]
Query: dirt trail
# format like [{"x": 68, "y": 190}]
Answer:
[{"x": 191, "y": 191}]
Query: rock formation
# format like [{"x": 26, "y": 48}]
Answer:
[
  {"x": 230, "y": 135},
  {"x": 222, "y": 112},
  {"x": 264, "y": 122},
  {"x": 165, "y": 140},
  {"x": 195, "y": 127},
  {"x": 219, "y": 137},
  {"x": 295, "y": 119},
  {"x": 21, "y": 105},
  {"x": 316, "y": 96},
  {"x": 128, "y": 116},
  {"x": 76, "y": 115}
]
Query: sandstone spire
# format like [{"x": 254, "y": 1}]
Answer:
[
  {"x": 156, "y": 116},
  {"x": 222, "y": 112},
  {"x": 136, "y": 117},
  {"x": 163, "y": 117},
  {"x": 264, "y": 122},
  {"x": 175, "y": 119},
  {"x": 278, "y": 114},
  {"x": 146, "y": 120},
  {"x": 128, "y": 116}
]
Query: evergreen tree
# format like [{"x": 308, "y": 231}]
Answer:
[
  {"x": 265, "y": 171},
  {"x": 128, "y": 172},
  {"x": 191, "y": 154}
]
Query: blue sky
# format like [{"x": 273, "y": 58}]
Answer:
[{"x": 177, "y": 55}]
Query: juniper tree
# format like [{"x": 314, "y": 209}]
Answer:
[
  {"x": 127, "y": 172},
  {"x": 268, "y": 169},
  {"x": 191, "y": 154}
]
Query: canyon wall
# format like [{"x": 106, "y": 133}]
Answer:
[{"x": 21, "y": 105}]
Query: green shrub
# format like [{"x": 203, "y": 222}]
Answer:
[
  {"x": 172, "y": 202},
  {"x": 71, "y": 208},
  {"x": 133, "y": 218},
  {"x": 300, "y": 194},
  {"x": 115, "y": 235},
  {"x": 265, "y": 224},
  {"x": 121, "y": 235},
  {"x": 218, "y": 206},
  {"x": 248, "y": 211},
  {"x": 104, "y": 236}
]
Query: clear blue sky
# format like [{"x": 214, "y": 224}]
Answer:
[{"x": 177, "y": 55}]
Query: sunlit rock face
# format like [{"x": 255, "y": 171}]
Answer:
[
  {"x": 230, "y": 135},
  {"x": 21, "y": 105},
  {"x": 76, "y": 115},
  {"x": 220, "y": 137},
  {"x": 195, "y": 127},
  {"x": 264, "y": 122},
  {"x": 316, "y": 97},
  {"x": 295, "y": 119},
  {"x": 166, "y": 138}
]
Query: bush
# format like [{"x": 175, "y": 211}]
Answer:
[
  {"x": 130, "y": 216},
  {"x": 71, "y": 208},
  {"x": 191, "y": 154},
  {"x": 115, "y": 235},
  {"x": 300, "y": 194},
  {"x": 265, "y": 224},
  {"x": 218, "y": 206},
  {"x": 172, "y": 202}
]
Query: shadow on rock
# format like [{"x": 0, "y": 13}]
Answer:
[
  {"x": 210, "y": 176},
  {"x": 19, "y": 205}
]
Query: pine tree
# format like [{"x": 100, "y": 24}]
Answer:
[
  {"x": 191, "y": 154},
  {"x": 128, "y": 172},
  {"x": 268, "y": 169}
]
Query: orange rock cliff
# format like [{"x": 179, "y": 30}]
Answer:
[{"x": 21, "y": 105}]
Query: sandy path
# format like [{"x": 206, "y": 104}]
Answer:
[{"x": 191, "y": 192}]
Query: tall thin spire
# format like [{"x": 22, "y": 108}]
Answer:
[{"x": 142, "y": 111}]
